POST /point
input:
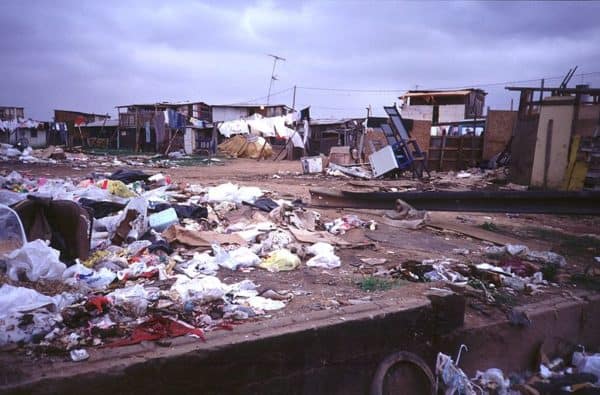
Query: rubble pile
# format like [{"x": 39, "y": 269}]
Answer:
[{"x": 134, "y": 257}]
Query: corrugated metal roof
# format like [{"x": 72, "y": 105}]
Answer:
[
  {"x": 238, "y": 105},
  {"x": 330, "y": 121},
  {"x": 463, "y": 92},
  {"x": 110, "y": 123}
]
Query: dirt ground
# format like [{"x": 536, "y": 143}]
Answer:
[{"x": 577, "y": 238}]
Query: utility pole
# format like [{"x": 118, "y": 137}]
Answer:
[
  {"x": 273, "y": 77},
  {"x": 294, "y": 99}
]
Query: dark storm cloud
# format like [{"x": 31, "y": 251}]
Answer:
[{"x": 92, "y": 56}]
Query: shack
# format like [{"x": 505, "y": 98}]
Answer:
[
  {"x": 457, "y": 124},
  {"x": 158, "y": 127},
  {"x": 14, "y": 128},
  {"x": 328, "y": 133},
  {"x": 74, "y": 120},
  {"x": 556, "y": 144},
  {"x": 101, "y": 134}
]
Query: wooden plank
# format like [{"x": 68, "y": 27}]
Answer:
[{"x": 472, "y": 231}]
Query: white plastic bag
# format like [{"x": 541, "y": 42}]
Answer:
[
  {"x": 324, "y": 256},
  {"x": 204, "y": 289},
  {"x": 133, "y": 299},
  {"x": 232, "y": 193},
  {"x": 201, "y": 264},
  {"x": 36, "y": 260},
  {"x": 79, "y": 274},
  {"x": 587, "y": 364},
  {"x": 232, "y": 260}
]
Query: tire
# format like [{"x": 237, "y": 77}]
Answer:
[{"x": 401, "y": 357}]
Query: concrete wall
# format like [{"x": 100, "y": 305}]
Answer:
[
  {"x": 447, "y": 113},
  {"x": 417, "y": 112},
  {"x": 498, "y": 129},
  {"x": 452, "y": 113},
  {"x": 554, "y": 144}
]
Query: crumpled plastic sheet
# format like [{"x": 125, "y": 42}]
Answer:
[
  {"x": 12, "y": 234},
  {"x": 15, "y": 302}
]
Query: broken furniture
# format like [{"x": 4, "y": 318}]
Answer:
[{"x": 406, "y": 151}]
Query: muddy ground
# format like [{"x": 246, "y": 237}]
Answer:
[{"x": 576, "y": 238}]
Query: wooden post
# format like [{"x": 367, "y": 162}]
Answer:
[
  {"x": 137, "y": 132},
  {"x": 548, "y": 152}
]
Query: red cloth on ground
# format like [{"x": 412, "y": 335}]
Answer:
[{"x": 157, "y": 328}]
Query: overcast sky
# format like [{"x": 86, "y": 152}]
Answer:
[{"x": 94, "y": 55}]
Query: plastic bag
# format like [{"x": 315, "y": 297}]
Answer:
[
  {"x": 78, "y": 274},
  {"x": 133, "y": 299},
  {"x": 12, "y": 235},
  {"x": 587, "y": 364},
  {"x": 20, "y": 299},
  {"x": 324, "y": 256},
  {"x": 241, "y": 257},
  {"x": 36, "y": 260},
  {"x": 117, "y": 188},
  {"x": 493, "y": 379},
  {"x": 204, "y": 289},
  {"x": 280, "y": 260},
  {"x": 260, "y": 303},
  {"x": 232, "y": 193},
  {"x": 201, "y": 264},
  {"x": 16, "y": 301}
]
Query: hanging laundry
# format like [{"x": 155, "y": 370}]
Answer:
[
  {"x": 148, "y": 134},
  {"x": 159, "y": 128},
  {"x": 181, "y": 120},
  {"x": 172, "y": 119}
]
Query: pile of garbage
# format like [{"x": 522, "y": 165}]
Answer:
[
  {"x": 116, "y": 259},
  {"x": 556, "y": 376},
  {"x": 514, "y": 268}
]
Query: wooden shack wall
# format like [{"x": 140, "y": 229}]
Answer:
[{"x": 454, "y": 152}]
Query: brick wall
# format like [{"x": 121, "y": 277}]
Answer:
[
  {"x": 421, "y": 131},
  {"x": 498, "y": 129}
]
